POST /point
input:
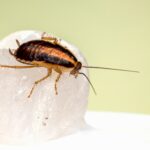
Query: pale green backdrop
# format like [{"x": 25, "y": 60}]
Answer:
[{"x": 113, "y": 33}]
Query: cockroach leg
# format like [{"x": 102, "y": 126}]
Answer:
[
  {"x": 54, "y": 41},
  {"x": 18, "y": 43},
  {"x": 17, "y": 67},
  {"x": 56, "y": 81},
  {"x": 11, "y": 53},
  {"x": 43, "y": 34},
  {"x": 26, "y": 62},
  {"x": 50, "y": 39},
  {"x": 40, "y": 80}
]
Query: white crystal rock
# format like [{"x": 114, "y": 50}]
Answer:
[{"x": 45, "y": 115}]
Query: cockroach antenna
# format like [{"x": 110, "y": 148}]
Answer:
[
  {"x": 106, "y": 68},
  {"x": 88, "y": 81}
]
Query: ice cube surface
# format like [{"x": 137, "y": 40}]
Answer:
[{"x": 45, "y": 115}]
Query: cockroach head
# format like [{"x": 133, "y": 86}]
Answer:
[{"x": 76, "y": 69}]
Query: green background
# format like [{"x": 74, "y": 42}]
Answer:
[{"x": 112, "y": 33}]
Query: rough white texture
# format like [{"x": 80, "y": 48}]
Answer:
[
  {"x": 109, "y": 131},
  {"x": 45, "y": 115}
]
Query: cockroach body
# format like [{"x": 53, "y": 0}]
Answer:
[
  {"x": 45, "y": 54},
  {"x": 48, "y": 52}
]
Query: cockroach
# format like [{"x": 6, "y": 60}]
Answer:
[{"x": 48, "y": 52}]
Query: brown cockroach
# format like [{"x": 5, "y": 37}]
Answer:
[{"x": 48, "y": 52}]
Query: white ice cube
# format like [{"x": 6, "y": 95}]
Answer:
[{"x": 45, "y": 115}]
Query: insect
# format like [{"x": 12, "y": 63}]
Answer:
[{"x": 49, "y": 53}]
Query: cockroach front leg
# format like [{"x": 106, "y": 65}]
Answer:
[{"x": 40, "y": 80}]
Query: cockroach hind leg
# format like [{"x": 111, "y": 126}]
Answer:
[
  {"x": 38, "y": 81},
  {"x": 17, "y": 67},
  {"x": 54, "y": 41},
  {"x": 51, "y": 39}
]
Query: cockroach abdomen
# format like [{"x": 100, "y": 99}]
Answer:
[{"x": 44, "y": 51}]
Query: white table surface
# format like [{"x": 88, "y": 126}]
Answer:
[{"x": 106, "y": 131}]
